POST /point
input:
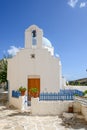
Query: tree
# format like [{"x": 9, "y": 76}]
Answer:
[{"x": 3, "y": 70}]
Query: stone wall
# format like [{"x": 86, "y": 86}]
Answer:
[
  {"x": 84, "y": 111},
  {"x": 3, "y": 97}
]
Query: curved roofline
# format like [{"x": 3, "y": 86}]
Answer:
[{"x": 46, "y": 42}]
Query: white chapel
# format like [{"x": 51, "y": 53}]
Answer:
[{"x": 35, "y": 65}]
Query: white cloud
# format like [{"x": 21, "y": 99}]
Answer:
[
  {"x": 13, "y": 50},
  {"x": 72, "y": 3},
  {"x": 83, "y": 4},
  {"x": 57, "y": 55}
]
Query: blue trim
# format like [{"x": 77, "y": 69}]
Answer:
[
  {"x": 66, "y": 94},
  {"x": 15, "y": 94}
]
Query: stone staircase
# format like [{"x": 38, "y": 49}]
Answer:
[{"x": 3, "y": 97}]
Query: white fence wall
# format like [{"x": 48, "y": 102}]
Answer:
[
  {"x": 81, "y": 88},
  {"x": 49, "y": 107},
  {"x": 52, "y": 107},
  {"x": 18, "y": 102}
]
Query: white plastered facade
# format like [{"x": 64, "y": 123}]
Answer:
[{"x": 42, "y": 64}]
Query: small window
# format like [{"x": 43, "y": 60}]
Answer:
[
  {"x": 34, "y": 33},
  {"x": 33, "y": 56},
  {"x": 34, "y": 41}
]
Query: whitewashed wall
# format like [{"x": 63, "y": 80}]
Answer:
[
  {"x": 52, "y": 107},
  {"x": 81, "y": 88},
  {"x": 18, "y": 102},
  {"x": 49, "y": 107},
  {"x": 45, "y": 65}
]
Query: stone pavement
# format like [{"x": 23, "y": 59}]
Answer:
[{"x": 12, "y": 119}]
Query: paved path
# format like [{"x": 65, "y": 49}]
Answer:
[{"x": 12, "y": 119}]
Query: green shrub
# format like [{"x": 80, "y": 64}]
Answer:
[
  {"x": 85, "y": 92},
  {"x": 76, "y": 95}
]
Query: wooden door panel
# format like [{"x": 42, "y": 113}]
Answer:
[{"x": 34, "y": 82}]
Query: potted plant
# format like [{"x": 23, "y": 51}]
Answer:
[
  {"x": 34, "y": 92},
  {"x": 22, "y": 90}
]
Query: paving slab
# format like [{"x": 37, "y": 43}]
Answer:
[{"x": 13, "y": 119}]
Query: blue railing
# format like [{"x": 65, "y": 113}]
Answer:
[
  {"x": 72, "y": 92},
  {"x": 15, "y": 94},
  {"x": 62, "y": 95}
]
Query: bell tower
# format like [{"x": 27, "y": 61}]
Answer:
[{"x": 33, "y": 37}]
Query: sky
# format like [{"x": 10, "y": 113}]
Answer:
[{"x": 64, "y": 23}]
